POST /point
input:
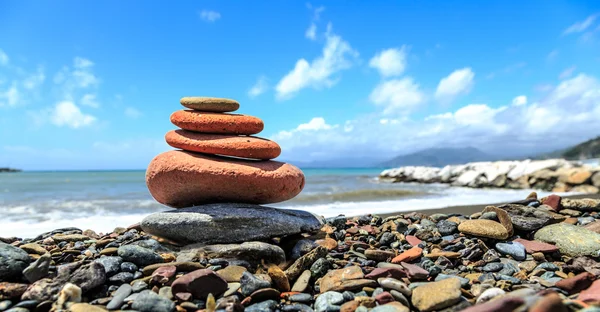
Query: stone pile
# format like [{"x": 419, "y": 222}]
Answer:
[
  {"x": 537, "y": 255},
  {"x": 553, "y": 175},
  {"x": 220, "y": 176}
]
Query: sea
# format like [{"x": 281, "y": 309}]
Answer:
[{"x": 32, "y": 203}]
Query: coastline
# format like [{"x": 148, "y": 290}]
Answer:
[{"x": 471, "y": 209}]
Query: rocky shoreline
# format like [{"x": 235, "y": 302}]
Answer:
[
  {"x": 532, "y": 255},
  {"x": 553, "y": 175}
]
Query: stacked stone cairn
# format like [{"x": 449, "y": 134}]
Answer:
[{"x": 219, "y": 177}]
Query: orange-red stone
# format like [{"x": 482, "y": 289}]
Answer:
[
  {"x": 409, "y": 255},
  {"x": 220, "y": 123},
  {"x": 183, "y": 179},
  {"x": 223, "y": 144}
]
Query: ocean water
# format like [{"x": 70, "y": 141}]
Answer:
[{"x": 34, "y": 202}]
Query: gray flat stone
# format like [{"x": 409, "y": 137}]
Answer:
[
  {"x": 229, "y": 223},
  {"x": 571, "y": 240}
]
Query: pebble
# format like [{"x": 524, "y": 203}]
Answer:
[
  {"x": 119, "y": 297},
  {"x": 513, "y": 249},
  {"x": 139, "y": 255},
  {"x": 437, "y": 295},
  {"x": 328, "y": 300},
  {"x": 13, "y": 261},
  {"x": 148, "y": 301}
]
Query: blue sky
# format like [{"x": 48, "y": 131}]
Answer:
[{"x": 87, "y": 85}]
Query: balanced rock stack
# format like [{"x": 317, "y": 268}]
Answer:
[{"x": 220, "y": 177}]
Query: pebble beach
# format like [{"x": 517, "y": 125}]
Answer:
[{"x": 532, "y": 255}]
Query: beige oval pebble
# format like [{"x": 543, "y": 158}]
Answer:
[
  {"x": 183, "y": 179},
  {"x": 209, "y": 104}
]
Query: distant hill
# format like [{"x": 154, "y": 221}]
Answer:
[
  {"x": 438, "y": 157},
  {"x": 586, "y": 150},
  {"x": 5, "y": 169}
]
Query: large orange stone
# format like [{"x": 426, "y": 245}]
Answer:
[
  {"x": 223, "y": 144},
  {"x": 183, "y": 179},
  {"x": 221, "y": 123}
]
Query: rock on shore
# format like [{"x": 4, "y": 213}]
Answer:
[
  {"x": 488, "y": 261},
  {"x": 556, "y": 175}
]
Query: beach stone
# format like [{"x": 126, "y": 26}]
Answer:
[
  {"x": 501, "y": 304},
  {"x": 280, "y": 280},
  {"x": 306, "y": 262},
  {"x": 415, "y": 272},
  {"x": 219, "y": 123},
  {"x": 269, "y": 305},
  {"x": 550, "y": 302},
  {"x": 112, "y": 265},
  {"x": 301, "y": 283},
  {"x": 587, "y": 189},
  {"x": 379, "y": 255},
  {"x": 209, "y": 104},
  {"x": 437, "y": 295},
  {"x": 33, "y": 248},
  {"x": 38, "y": 269},
  {"x": 326, "y": 300},
  {"x": 579, "y": 177},
  {"x": 232, "y": 288},
  {"x": 139, "y": 255},
  {"x": 335, "y": 278},
  {"x": 446, "y": 227},
  {"x": 576, "y": 283},
  {"x": 59, "y": 238},
  {"x": 200, "y": 283},
  {"x": 535, "y": 246},
  {"x": 391, "y": 307},
  {"x": 250, "y": 283},
  {"x": 526, "y": 218},
  {"x": 88, "y": 276},
  {"x": 327, "y": 242},
  {"x": 13, "y": 261},
  {"x": 11, "y": 290},
  {"x": 514, "y": 249},
  {"x": 489, "y": 294},
  {"x": 148, "y": 301},
  {"x": 408, "y": 255},
  {"x": 119, "y": 297},
  {"x": 503, "y": 217},
  {"x": 181, "y": 267},
  {"x": 183, "y": 179},
  {"x": 394, "y": 284},
  {"x": 302, "y": 247},
  {"x": 596, "y": 179},
  {"x": 223, "y": 144},
  {"x": 593, "y": 226},
  {"x": 484, "y": 228},
  {"x": 413, "y": 240},
  {"x": 553, "y": 201},
  {"x": 571, "y": 240},
  {"x": 252, "y": 252},
  {"x": 244, "y": 222},
  {"x": 394, "y": 272},
  {"x": 592, "y": 293},
  {"x": 232, "y": 273},
  {"x": 584, "y": 204}
]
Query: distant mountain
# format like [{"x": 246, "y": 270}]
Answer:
[
  {"x": 6, "y": 169},
  {"x": 586, "y": 150},
  {"x": 438, "y": 157}
]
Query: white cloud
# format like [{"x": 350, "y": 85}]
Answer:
[
  {"x": 565, "y": 116},
  {"x": 390, "y": 62},
  {"x": 68, "y": 114},
  {"x": 337, "y": 55},
  {"x": 259, "y": 87},
  {"x": 317, "y": 123},
  {"x": 397, "y": 95},
  {"x": 581, "y": 25},
  {"x": 311, "y": 32},
  {"x": 3, "y": 58},
  {"x": 519, "y": 100},
  {"x": 457, "y": 83},
  {"x": 132, "y": 112},
  {"x": 35, "y": 80},
  {"x": 210, "y": 16},
  {"x": 567, "y": 73},
  {"x": 90, "y": 100},
  {"x": 11, "y": 96}
]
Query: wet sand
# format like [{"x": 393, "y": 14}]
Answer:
[{"x": 470, "y": 209}]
